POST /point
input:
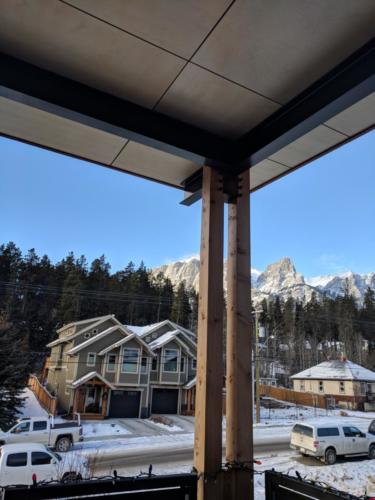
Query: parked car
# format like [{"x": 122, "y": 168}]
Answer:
[
  {"x": 44, "y": 430},
  {"x": 19, "y": 462},
  {"x": 328, "y": 440}
]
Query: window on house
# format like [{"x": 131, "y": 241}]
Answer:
[
  {"x": 130, "y": 361},
  {"x": 321, "y": 386},
  {"x": 342, "y": 387},
  {"x": 369, "y": 388},
  {"x": 91, "y": 359},
  {"x": 182, "y": 365},
  {"x": 363, "y": 388},
  {"x": 302, "y": 386},
  {"x": 170, "y": 360},
  {"x": 154, "y": 365},
  {"x": 111, "y": 363},
  {"x": 194, "y": 363},
  {"x": 144, "y": 365}
]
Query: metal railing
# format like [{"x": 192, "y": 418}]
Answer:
[
  {"x": 171, "y": 487},
  {"x": 283, "y": 487}
]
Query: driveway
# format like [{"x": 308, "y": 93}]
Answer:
[{"x": 140, "y": 427}]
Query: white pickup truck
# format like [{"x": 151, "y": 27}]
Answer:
[
  {"x": 327, "y": 439},
  {"x": 44, "y": 430},
  {"x": 21, "y": 463}
]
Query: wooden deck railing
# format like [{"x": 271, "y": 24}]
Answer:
[
  {"x": 298, "y": 398},
  {"x": 47, "y": 401}
]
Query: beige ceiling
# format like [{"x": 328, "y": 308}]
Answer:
[{"x": 220, "y": 65}]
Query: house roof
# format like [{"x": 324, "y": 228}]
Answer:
[
  {"x": 97, "y": 337},
  {"x": 168, "y": 337},
  {"x": 91, "y": 325},
  {"x": 90, "y": 376},
  {"x": 159, "y": 91},
  {"x": 83, "y": 321},
  {"x": 144, "y": 330},
  {"x": 191, "y": 383},
  {"x": 123, "y": 341},
  {"x": 336, "y": 370}
]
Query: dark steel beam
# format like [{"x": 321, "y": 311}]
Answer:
[
  {"x": 343, "y": 86},
  {"x": 37, "y": 87}
]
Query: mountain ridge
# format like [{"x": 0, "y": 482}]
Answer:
[{"x": 278, "y": 279}]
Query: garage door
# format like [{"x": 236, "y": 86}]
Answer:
[
  {"x": 124, "y": 404},
  {"x": 164, "y": 401}
]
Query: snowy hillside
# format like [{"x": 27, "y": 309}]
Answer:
[{"x": 279, "y": 278}]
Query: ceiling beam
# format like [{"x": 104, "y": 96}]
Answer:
[
  {"x": 42, "y": 89},
  {"x": 346, "y": 84}
]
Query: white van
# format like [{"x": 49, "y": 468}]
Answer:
[
  {"x": 19, "y": 462},
  {"x": 328, "y": 439}
]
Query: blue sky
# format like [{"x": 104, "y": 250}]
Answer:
[{"x": 322, "y": 216}]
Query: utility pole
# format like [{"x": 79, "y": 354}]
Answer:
[{"x": 257, "y": 367}]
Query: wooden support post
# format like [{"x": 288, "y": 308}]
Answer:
[
  {"x": 209, "y": 385},
  {"x": 239, "y": 412}
]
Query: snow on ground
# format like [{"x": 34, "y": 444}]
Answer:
[
  {"x": 349, "y": 475},
  {"x": 116, "y": 448},
  {"x": 31, "y": 407},
  {"x": 99, "y": 429},
  {"x": 166, "y": 427}
]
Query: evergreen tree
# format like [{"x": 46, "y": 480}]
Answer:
[
  {"x": 181, "y": 306},
  {"x": 14, "y": 369}
]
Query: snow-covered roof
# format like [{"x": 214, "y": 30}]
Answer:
[
  {"x": 191, "y": 383},
  {"x": 163, "y": 339},
  {"x": 143, "y": 330},
  {"x": 90, "y": 376},
  {"x": 336, "y": 370},
  {"x": 167, "y": 337}
]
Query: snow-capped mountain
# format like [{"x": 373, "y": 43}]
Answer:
[
  {"x": 280, "y": 278},
  {"x": 188, "y": 271},
  {"x": 335, "y": 285}
]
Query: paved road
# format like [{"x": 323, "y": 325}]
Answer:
[{"x": 163, "y": 458}]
